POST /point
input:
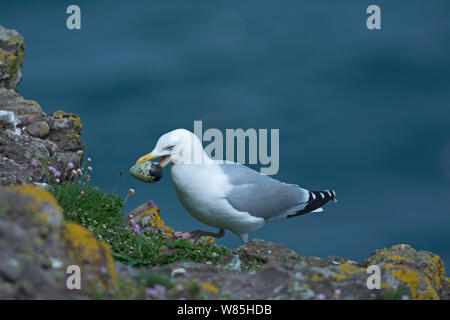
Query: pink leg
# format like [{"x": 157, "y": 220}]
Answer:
[{"x": 196, "y": 234}]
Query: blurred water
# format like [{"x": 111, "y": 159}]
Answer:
[{"x": 364, "y": 112}]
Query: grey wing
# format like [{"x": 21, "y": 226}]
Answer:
[{"x": 261, "y": 195}]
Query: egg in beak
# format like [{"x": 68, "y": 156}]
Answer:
[{"x": 147, "y": 171}]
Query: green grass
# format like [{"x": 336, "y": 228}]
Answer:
[
  {"x": 396, "y": 294},
  {"x": 102, "y": 213},
  {"x": 252, "y": 265}
]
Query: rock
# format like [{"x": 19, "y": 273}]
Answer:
[
  {"x": 27, "y": 133},
  {"x": 12, "y": 54},
  {"x": 147, "y": 215},
  {"x": 422, "y": 271},
  {"x": 65, "y": 130},
  {"x": 445, "y": 293},
  {"x": 26, "y": 111},
  {"x": 261, "y": 251},
  {"x": 38, "y": 129},
  {"x": 37, "y": 246},
  {"x": 8, "y": 120},
  {"x": 283, "y": 274}
]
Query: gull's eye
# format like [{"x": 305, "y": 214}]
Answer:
[{"x": 170, "y": 148}]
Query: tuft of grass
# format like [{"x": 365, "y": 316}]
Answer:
[
  {"x": 252, "y": 265},
  {"x": 395, "y": 294},
  {"x": 101, "y": 212}
]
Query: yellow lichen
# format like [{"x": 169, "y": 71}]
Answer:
[
  {"x": 110, "y": 261},
  {"x": 13, "y": 64},
  {"x": 75, "y": 133},
  {"x": 158, "y": 222},
  {"x": 436, "y": 271},
  {"x": 38, "y": 107},
  {"x": 208, "y": 240},
  {"x": 388, "y": 266},
  {"x": 61, "y": 115},
  {"x": 348, "y": 268},
  {"x": 151, "y": 216},
  {"x": 210, "y": 287},
  {"x": 40, "y": 195},
  {"x": 430, "y": 293},
  {"x": 412, "y": 279},
  {"x": 82, "y": 241},
  {"x": 85, "y": 248},
  {"x": 399, "y": 258},
  {"x": 339, "y": 277},
  {"x": 316, "y": 277}
]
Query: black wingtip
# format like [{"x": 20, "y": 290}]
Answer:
[{"x": 316, "y": 200}]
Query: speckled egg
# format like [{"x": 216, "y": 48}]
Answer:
[{"x": 148, "y": 171}]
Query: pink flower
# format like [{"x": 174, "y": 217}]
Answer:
[
  {"x": 70, "y": 165},
  {"x": 88, "y": 160},
  {"x": 137, "y": 228},
  {"x": 34, "y": 163},
  {"x": 151, "y": 293},
  {"x": 160, "y": 289},
  {"x": 89, "y": 169},
  {"x": 321, "y": 296},
  {"x": 54, "y": 172},
  {"x": 405, "y": 297},
  {"x": 152, "y": 203},
  {"x": 157, "y": 291},
  {"x": 80, "y": 152},
  {"x": 131, "y": 192},
  {"x": 337, "y": 293}
]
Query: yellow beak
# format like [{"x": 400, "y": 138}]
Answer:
[{"x": 149, "y": 156}]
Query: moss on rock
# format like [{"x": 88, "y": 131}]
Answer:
[
  {"x": 148, "y": 216},
  {"x": 422, "y": 271},
  {"x": 12, "y": 55},
  {"x": 85, "y": 250},
  {"x": 69, "y": 123},
  {"x": 40, "y": 244}
]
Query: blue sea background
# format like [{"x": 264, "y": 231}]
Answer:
[{"x": 366, "y": 113}]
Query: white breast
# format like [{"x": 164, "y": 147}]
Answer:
[{"x": 201, "y": 189}]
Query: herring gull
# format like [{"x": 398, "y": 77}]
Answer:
[{"x": 228, "y": 195}]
